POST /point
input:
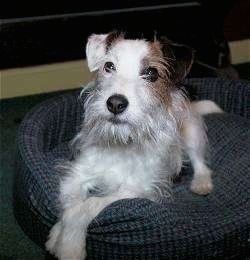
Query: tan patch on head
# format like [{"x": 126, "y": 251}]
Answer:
[
  {"x": 162, "y": 86},
  {"x": 112, "y": 38},
  {"x": 157, "y": 60}
]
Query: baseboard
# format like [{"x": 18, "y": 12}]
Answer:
[
  {"x": 240, "y": 51},
  {"x": 43, "y": 79}
]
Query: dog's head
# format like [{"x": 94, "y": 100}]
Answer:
[{"x": 134, "y": 95}]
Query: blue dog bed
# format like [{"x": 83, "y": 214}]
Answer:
[{"x": 186, "y": 227}]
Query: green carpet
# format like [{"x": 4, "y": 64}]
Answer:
[{"x": 14, "y": 244}]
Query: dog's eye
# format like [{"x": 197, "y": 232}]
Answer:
[
  {"x": 150, "y": 74},
  {"x": 109, "y": 66}
]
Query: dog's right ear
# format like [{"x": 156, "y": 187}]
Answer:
[
  {"x": 98, "y": 45},
  {"x": 95, "y": 50}
]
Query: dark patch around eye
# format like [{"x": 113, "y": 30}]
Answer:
[
  {"x": 109, "y": 66},
  {"x": 150, "y": 74}
]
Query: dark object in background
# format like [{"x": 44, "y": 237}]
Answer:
[{"x": 46, "y": 32}]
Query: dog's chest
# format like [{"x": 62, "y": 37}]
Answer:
[{"x": 112, "y": 168}]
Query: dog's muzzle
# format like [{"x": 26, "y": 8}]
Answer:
[{"x": 117, "y": 104}]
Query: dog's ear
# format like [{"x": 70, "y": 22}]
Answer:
[
  {"x": 95, "y": 50},
  {"x": 179, "y": 57},
  {"x": 98, "y": 45}
]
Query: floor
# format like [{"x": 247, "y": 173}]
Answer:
[{"x": 14, "y": 244}]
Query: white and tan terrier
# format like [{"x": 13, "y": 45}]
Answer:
[{"x": 138, "y": 124}]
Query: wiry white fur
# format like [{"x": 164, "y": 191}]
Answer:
[
  {"x": 95, "y": 49},
  {"x": 134, "y": 157}
]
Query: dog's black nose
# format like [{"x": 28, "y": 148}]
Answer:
[{"x": 117, "y": 104}]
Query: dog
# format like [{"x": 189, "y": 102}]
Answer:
[{"x": 138, "y": 124}]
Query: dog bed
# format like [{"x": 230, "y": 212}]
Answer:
[{"x": 187, "y": 226}]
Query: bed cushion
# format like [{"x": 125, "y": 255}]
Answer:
[{"x": 186, "y": 226}]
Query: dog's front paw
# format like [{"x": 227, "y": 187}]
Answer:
[
  {"x": 66, "y": 244},
  {"x": 53, "y": 237},
  {"x": 202, "y": 184},
  {"x": 71, "y": 253}
]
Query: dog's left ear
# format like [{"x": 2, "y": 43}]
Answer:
[
  {"x": 180, "y": 57},
  {"x": 95, "y": 50}
]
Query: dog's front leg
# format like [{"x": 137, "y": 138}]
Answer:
[
  {"x": 71, "y": 242},
  {"x": 66, "y": 238}
]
